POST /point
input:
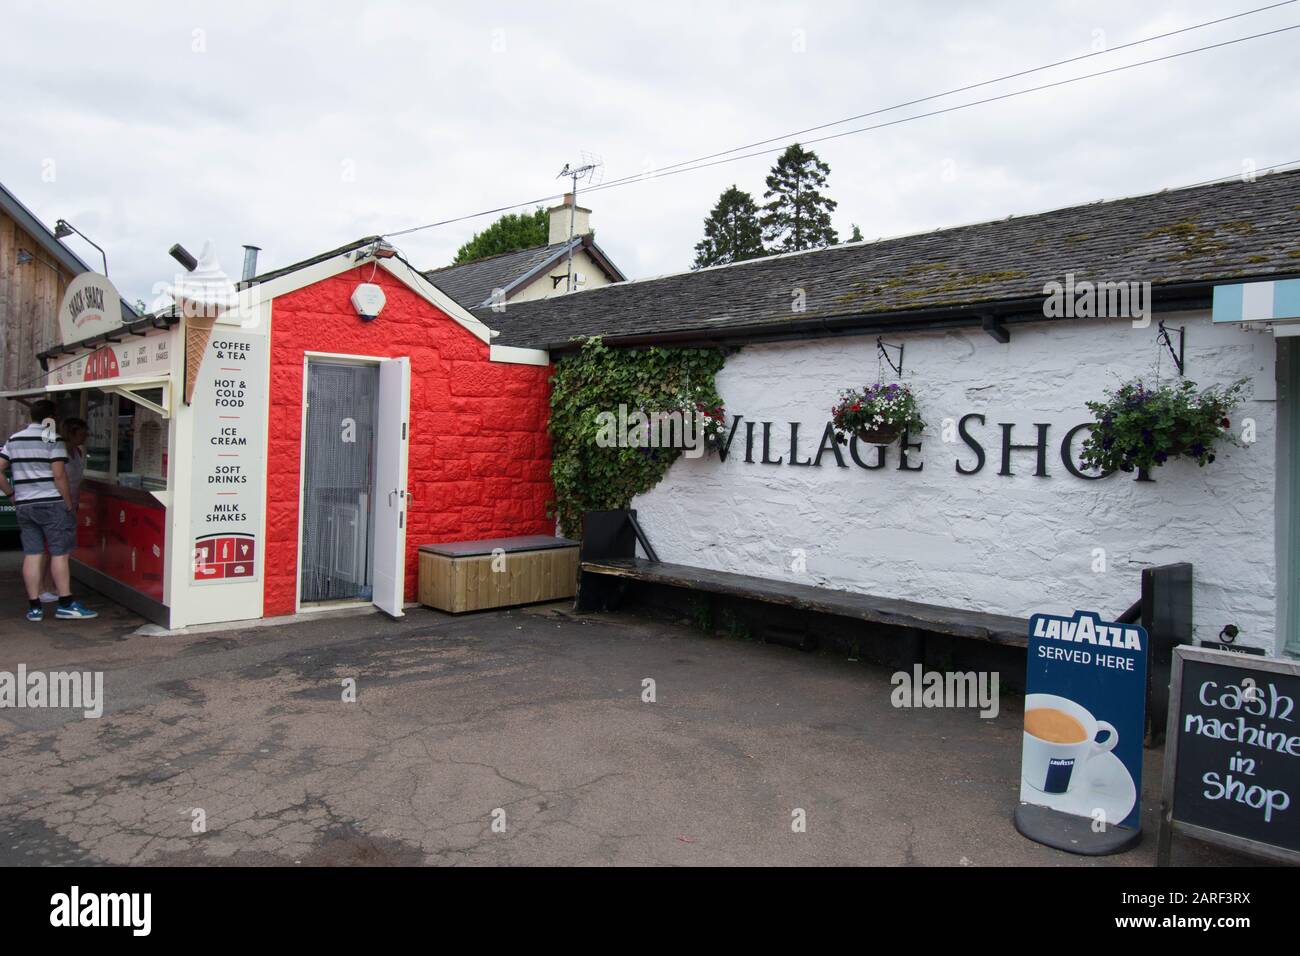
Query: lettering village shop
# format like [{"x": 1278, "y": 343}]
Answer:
[
  {"x": 287, "y": 443},
  {"x": 999, "y": 334}
]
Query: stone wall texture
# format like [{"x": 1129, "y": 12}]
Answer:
[
  {"x": 479, "y": 464},
  {"x": 1010, "y": 544}
]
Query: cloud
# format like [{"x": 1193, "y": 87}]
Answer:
[{"x": 298, "y": 127}]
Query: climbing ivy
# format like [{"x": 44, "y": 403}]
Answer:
[{"x": 595, "y": 379}]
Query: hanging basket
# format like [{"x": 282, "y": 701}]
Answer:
[{"x": 880, "y": 435}]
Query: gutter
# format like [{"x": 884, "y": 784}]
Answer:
[{"x": 992, "y": 317}]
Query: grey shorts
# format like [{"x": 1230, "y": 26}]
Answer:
[{"x": 47, "y": 523}]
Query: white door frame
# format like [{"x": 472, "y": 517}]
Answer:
[{"x": 337, "y": 358}]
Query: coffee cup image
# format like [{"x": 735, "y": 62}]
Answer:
[{"x": 1060, "y": 737}]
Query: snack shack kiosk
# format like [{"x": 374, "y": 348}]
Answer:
[{"x": 288, "y": 445}]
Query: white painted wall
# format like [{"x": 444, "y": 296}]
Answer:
[
  {"x": 1013, "y": 545},
  {"x": 543, "y": 287}
]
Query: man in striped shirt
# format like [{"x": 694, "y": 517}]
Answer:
[{"x": 43, "y": 503}]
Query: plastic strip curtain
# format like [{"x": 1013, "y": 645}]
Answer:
[{"x": 338, "y": 485}]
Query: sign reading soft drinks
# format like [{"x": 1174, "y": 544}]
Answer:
[
  {"x": 1085, "y": 696},
  {"x": 227, "y": 484}
]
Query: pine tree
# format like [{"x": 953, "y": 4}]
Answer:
[
  {"x": 857, "y": 234},
  {"x": 731, "y": 233},
  {"x": 798, "y": 216},
  {"x": 511, "y": 232}
]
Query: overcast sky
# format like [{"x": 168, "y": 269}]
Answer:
[{"x": 299, "y": 127}]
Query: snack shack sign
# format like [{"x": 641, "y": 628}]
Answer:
[{"x": 90, "y": 307}]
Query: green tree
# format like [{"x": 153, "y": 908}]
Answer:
[
  {"x": 857, "y": 234},
  {"x": 731, "y": 233},
  {"x": 510, "y": 233},
  {"x": 797, "y": 215}
]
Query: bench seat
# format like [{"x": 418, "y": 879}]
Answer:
[{"x": 978, "y": 625}]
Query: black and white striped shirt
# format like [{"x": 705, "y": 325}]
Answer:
[{"x": 31, "y": 459}]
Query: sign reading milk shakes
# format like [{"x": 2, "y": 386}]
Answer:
[
  {"x": 228, "y": 467},
  {"x": 1085, "y": 696}
]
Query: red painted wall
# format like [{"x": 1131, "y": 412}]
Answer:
[{"x": 480, "y": 457}]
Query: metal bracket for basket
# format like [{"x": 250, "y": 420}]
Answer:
[{"x": 883, "y": 349}]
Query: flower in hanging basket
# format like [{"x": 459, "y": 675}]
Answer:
[
  {"x": 876, "y": 414},
  {"x": 1137, "y": 427},
  {"x": 703, "y": 420}
]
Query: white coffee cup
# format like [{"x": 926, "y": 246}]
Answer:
[{"x": 1056, "y": 767}]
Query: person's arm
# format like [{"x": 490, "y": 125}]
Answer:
[
  {"x": 61, "y": 481},
  {"x": 5, "y": 486}
]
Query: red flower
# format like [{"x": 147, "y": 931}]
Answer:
[{"x": 1225, "y": 423}]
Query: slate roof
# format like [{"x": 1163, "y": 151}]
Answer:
[
  {"x": 1178, "y": 240},
  {"x": 472, "y": 284}
]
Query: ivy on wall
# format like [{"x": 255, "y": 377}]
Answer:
[{"x": 595, "y": 379}]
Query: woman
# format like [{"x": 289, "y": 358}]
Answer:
[{"x": 75, "y": 431}]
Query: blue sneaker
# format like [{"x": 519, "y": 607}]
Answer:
[
  {"x": 36, "y": 614},
  {"x": 74, "y": 610}
]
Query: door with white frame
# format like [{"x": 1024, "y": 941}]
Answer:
[{"x": 336, "y": 558}]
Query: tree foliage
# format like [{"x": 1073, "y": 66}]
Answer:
[
  {"x": 797, "y": 216},
  {"x": 588, "y": 477},
  {"x": 731, "y": 232},
  {"x": 510, "y": 233}
]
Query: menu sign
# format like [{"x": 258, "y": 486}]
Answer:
[
  {"x": 227, "y": 486},
  {"x": 130, "y": 358},
  {"x": 1232, "y": 759}
]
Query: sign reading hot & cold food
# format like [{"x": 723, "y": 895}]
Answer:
[{"x": 229, "y": 451}]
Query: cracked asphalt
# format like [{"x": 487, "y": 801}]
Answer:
[{"x": 531, "y": 717}]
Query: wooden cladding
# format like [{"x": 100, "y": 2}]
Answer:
[{"x": 478, "y": 582}]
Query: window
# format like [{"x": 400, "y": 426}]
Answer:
[{"x": 127, "y": 443}]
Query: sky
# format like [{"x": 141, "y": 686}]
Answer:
[{"x": 299, "y": 127}]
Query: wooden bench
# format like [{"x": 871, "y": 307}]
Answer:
[
  {"x": 609, "y": 568},
  {"x": 978, "y": 625},
  {"x": 459, "y": 576}
]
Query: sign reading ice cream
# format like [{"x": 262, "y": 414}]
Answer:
[
  {"x": 228, "y": 468},
  {"x": 223, "y": 386}
]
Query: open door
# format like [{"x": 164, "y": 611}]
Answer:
[{"x": 390, "y": 484}]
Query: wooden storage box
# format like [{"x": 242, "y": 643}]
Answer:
[{"x": 498, "y": 572}]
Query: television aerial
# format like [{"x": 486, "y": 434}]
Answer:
[{"x": 588, "y": 169}]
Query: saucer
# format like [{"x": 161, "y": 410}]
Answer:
[{"x": 1109, "y": 788}]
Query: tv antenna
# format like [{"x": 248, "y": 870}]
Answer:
[{"x": 588, "y": 169}]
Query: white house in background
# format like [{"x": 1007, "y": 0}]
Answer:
[{"x": 537, "y": 273}]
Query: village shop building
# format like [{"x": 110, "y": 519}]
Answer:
[
  {"x": 988, "y": 509},
  {"x": 294, "y": 455}
]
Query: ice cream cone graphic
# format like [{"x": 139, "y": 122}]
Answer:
[{"x": 201, "y": 296}]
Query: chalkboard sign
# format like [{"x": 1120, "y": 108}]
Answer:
[{"x": 1232, "y": 754}]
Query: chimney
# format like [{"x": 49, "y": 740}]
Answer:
[
  {"x": 560, "y": 216},
  {"x": 250, "y": 262}
]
